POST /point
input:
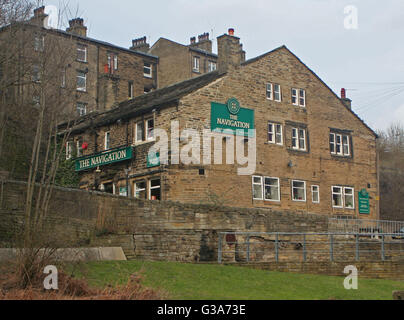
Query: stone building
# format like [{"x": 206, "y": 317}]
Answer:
[
  {"x": 313, "y": 153},
  {"x": 96, "y": 74}
]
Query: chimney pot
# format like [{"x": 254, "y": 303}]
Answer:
[
  {"x": 231, "y": 32},
  {"x": 343, "y": 93}
]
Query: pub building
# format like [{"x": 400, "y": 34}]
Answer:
[{"x": 313, "y": 153}]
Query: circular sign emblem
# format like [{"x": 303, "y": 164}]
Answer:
[
  {"x": 364, "y": 193},
  {"x": 233, "y": 105}
]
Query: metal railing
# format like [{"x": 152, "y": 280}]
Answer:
[
  {"x": 364, "y": 225},
  {"x": 287, "y": 246}
]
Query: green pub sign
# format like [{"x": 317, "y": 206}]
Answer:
[
  {"x": 363, "y": 200},
  {"x": 104, "y": 158},
  {"x": 230, "y": 118},
  {"x": 153, "y": 160}
]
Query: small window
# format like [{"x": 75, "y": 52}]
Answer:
[
  {"x": 81, "y": 108},
  {"x": 81, "y": 81},
  {"x": 155, "y": 189},
  {"x": 269, "y": 91},
  {"x": 195, "y": 65},
  {"x": 140, "y": 189},
  {"x": 39, "y": 43},
  {"x": 277, "y": 92},
  {"x": 349, "y": 198},
  {"x": 107, "y": 141},
  {"x": 212, "y": 66},
  {"x": 299, "y": 139},
  {"x": 69, "y": 150},
  {"x": 36, "y": 73},
  {"x": 298, "y": 190},
  {"x": 63, "y": 78},
  {"x": 337, "y": 201},
  {"x": 130, "y": 89},
  {"x": 315, "y": 194},
  {"x": 36, "y": 100},
  {"x": 340, "y": 144},
  {"x": 139, "y": 131},
  {"x": 299, "y": 97},
  {"x": 115, "y": 62},
  {"x": 81, "y": 53},
  {"x": 150, "y": 129},
  {"x": 271, "y": 189},
  {"x": 257, "y": 187},
  {"x": 275, "y": 133},
  {"x": 147, "y": 70},
  {"x": 79, "y": 149}
]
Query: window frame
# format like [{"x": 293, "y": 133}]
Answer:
[
  {"x": 83, "y": 105},
  {"x": 270, "y": 91},
  {"x": 340, "y": 144},
  {"x": 312, "y": 193},
  {"x": 131, "y": 89},
  {"x": 275, "y": 92},
  {"x": 150, "y": 67},
  {"x": 136, "y": 131},
  {"x": 146, "y": 126},
  {"x": 140, "y": 189},
  {"x": 107, "y": 140},
  {"x": 69, "y": 150},
  {"x": 298, "y": 96},
  {"x": 39, "y": 43},
  {"x": 275, "y": 133},
  {"x": 341, "y": 194},
  {"x": 278, "y": 186},
  {"x": 304, "y": 188},
  {"x": 210, "y": 66},
  {"x": 81, "y": 89},
  {"x": 196, "y": 64},
  {"x": 81, "y": 48},
  {"x": 298, "y": 138},
  {"x": 36, "y": 73},
  {"x": 153, "y": 188},
  {"x": 353, "y": 198},
  {"x": 261, "y": 186}
]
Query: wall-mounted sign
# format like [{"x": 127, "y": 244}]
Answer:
[
  {"x": 153, "y": 160},
  {"x": 123, "y": 191},
  {"x": 230, "y": 118},
  {"x": 104, "y": 158},
  {"x": 363, "y": 200}
]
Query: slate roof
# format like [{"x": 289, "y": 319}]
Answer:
[{"x": 145, "y": 103}]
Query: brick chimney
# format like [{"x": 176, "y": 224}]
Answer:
[
  {"x": 39, "y": 16},
  {"x": 204, "y": 43},
  {"x": 230, "y": 51},
  {"x": 76, "y": 26},
  {"x": 345, "y": 100},
  {"x": 140, "y": 44}
]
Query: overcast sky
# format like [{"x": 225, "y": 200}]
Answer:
[{"x": 368, "y": 61}]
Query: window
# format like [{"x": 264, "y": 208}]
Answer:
[
  {"x": 79, "y": 143},
  {"x": 337, "y": 197},
  {"x": 299, "y": 139},
  {"x": 81, "y": 81},
  {"x": 277, "y": 92},
  {"x": 349, "y": 198},
  {"x": 340, "y": 144},
  {"x": 36, "y": 73},
  {"x": 130, "y": 89},
  {"x": 275, "y": 133},
  {"x": 140, "y": 190},
  {"x": 147, "y": 70},
  {"x": 36, "y": 100},
  {"x": 271, "y": 189},
  {"x": 81, "y": 108},
  {"x": 315, "y": 194},
  {"x": 81, "y": 53},
  {"x": 211, "y": 66},
  {"x": 269, "y": 91},
  {"x": 39, "y": 43},
  {"x": 115, "y": 62},
  {"x": 195, "y": 64},
  {"x": 299, "y": 97},
  {"x": 63, "y": 78},
  {"x": 155, "y": 189},
  {"x": 69, "y": 150},
  {"x": 107, "y": 141},
  {"x": 149, "y": 129},
  {"x": 139, "y": 135},
  {"x": 257, "y": 187},
  {"x": 298, "y": 190},
  {"x": 112, "y": 62}
]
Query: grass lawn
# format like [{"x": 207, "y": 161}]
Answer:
[{"x": 205, "y": 281}]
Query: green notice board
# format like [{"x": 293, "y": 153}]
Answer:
[
  {"x": 153, "y": 160},
  {"x": 363, "y": 200}
]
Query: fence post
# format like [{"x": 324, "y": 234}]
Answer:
[
  {"x": 331, "y": 247},
  {"x": 357, "y": 247},
  {"x": 304, "y": 248},
  {"x": 276, "y": 248},
  {"x": 219, "y": 250},
  {"x": 248, "y": 248},
  {"x": 383, "y": 252}
]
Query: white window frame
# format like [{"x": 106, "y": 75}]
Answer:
[
  {"x": 278, "y": 186},
  {"x": 297, "y": 137},
  {"x": 141, "y": 122},
  {"x": 261, "y": 186},
  {"x": 304, "y": 188},
  {"x": 312, "y": 193},
  {"x": 39, "y": 43},
  {"x": 212, "y": 66},
  {"x": 80, "y": 109},
  {"x": 275, "y": 133},
  {"x": 82, "y": 48},
  {"x": 79, "y": 151},
  {"x": 340, "y": 144},
  {"x": 279, "y": 92},
  {"x": 150, "y": 67},
  {"x": 115, "y": 62},
  {"x": 347, "y": 144},
  {"x": 269, "y": 89},
  {"x": 155, "y": 187},
  {"x": 146, "y": 126},
  {"x": 298, "y": 94},
  {"x": 131, "y": 89},
  {"x": 135, "y": 189},
  {"x": 82, "y": 89},
  {"x": 196, "y": 63},
  {"x": 69, "y": 150},
  {"x": 353, "y": 198},
  {"x": 107, "y": 140},
  {"x": 341, "y": 193}
]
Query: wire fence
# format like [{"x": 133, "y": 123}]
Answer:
[
  {"x": 286, "y": 246},
  {"x": 364, "y": 226}
]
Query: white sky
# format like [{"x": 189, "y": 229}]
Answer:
[{"x": 368, "y": 61}]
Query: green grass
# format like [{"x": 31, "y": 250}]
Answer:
[{"x": 205, "y": 281}]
